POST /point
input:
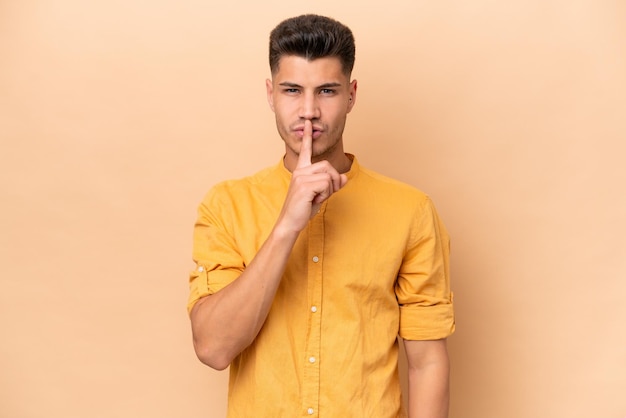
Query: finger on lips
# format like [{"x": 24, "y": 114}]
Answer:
[
  {"x": 304, "y": 159},
  {"x": 322, "y": 170}
]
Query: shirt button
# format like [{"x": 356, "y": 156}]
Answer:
[
  {"x": 311, "y": 359},
  {"x": 200, "y": 269},
  {"x": 313, "y": 308},
  {"x": 316, "y": 259},
  {"x": 310, "y": 411}
]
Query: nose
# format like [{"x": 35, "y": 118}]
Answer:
[{"x": 309, "y": 107}]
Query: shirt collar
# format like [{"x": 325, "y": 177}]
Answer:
[{"x": 354, "y": 168}]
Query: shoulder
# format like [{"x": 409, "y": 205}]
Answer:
[
  {"x": 391, "y": 188},
  {"x": 237, "y": 188}
]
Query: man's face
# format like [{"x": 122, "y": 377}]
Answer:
[{"x": 317, "y": 90}]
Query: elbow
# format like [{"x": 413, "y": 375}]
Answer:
[
  {"x": 217, "y": 360},
  {"x": 215, "y": 363},
  {"x": 206, "y": 345},
  {"x": 214, "y": 345}
]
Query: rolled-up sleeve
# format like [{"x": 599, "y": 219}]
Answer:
[
  {"x": 218, "y": 263},
  {"x": 423, "y": 285}
]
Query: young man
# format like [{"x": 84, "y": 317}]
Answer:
[{"x": 309, "y": 270}]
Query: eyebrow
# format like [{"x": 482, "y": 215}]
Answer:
[{"x": 323, "y": 86}]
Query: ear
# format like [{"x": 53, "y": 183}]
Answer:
[
  {"x": 270, "y": 90},
  {"x": 352, "y": 97}
]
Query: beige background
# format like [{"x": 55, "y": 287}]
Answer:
[{"x": 117, "y": 116}]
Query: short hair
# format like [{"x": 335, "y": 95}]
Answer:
[{"x": 312, "y": 36}]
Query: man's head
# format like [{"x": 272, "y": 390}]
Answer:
[
  {"x": 311, "y": 58},
  {"x": 312, "y": 37}
]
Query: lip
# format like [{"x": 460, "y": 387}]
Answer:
[{"x": 299, "y": 131}]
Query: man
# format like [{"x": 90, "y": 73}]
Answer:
[{"x": 309, "y": 270}]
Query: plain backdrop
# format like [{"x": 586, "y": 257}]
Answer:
[{"x": 117, "y": 116}]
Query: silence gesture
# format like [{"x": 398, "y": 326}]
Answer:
[{"x": 311, "y": 184}]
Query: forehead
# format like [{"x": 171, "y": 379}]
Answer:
[{"x": 298, "y": 69}]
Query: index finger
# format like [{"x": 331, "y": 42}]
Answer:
[{"x": 306, "y": 148}]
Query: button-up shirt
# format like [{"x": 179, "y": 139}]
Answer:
[{"x": 371, "y": 265}]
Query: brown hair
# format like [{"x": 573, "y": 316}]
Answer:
[{"x": 311, "y": 37}]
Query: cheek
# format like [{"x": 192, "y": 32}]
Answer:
[
  {"x": 338, "y": 117},
  {"x": 282, "y": 117},
  {"x": 283, "y": 109}
]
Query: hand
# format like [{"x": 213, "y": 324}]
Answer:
[{"x": 311, "y": 184}]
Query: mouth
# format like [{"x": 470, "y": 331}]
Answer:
[{"x": 299, "y": 131}]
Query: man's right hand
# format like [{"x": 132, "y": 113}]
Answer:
[
  {"x": 311, "y": 184},
  {"x": 244, "y": 304}
]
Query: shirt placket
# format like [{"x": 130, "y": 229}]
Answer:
[{"x": 315, "y": 260}]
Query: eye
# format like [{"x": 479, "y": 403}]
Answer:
[
  {"x": 291, "y": 90},
  {"x": 327, "y": 91}
]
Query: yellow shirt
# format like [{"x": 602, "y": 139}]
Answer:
[{"x": 371, "y": 265}]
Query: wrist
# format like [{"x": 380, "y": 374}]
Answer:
[{"x": 284, "y": 233}]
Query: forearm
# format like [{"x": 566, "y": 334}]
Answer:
[
  {"x": 429, "y": 385},
  {"x": 429, "y": 392},
  {"x": 225, "y": 323}
]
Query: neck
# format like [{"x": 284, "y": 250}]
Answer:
[{"x": 340, "y": 162}]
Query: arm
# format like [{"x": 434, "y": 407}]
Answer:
[
  {"x": 225, "y": 323},
  {"x": 429, "y": 370}
]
